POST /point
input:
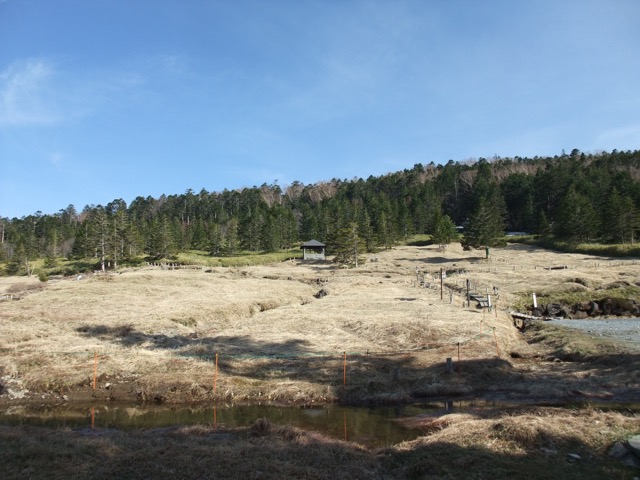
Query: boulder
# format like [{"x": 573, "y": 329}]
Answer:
[
  {"x": 553, "y": 310},
  {"x": 582, "y": 307},
  {"x": 634, "y": 444},
  {"x": 618, "y": 306}
]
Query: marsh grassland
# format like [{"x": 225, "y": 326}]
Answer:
[{"x": 296, "y": 333}]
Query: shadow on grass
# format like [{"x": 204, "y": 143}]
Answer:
[
  {"x": 388, "y": 378},
  {"x": 274, "y": 452}
]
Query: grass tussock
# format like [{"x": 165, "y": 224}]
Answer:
[
  {"x": 599, "y": 249},
  {"x": 246, "y": 259},
  {"x": 537, "y": 443}
]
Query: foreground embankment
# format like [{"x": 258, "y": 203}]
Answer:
[{"x": 536, "y": 443}]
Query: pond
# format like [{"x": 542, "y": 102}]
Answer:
[
  {"x": 375, "y": 427},
  {"x": 626, "y": 330}
]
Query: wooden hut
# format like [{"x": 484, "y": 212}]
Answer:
[{"x": 313, "y": 250}]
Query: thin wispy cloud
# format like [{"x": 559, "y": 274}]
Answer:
[
  {"x": 26, "y": 94},
  {"x": 38, "y": 92}
]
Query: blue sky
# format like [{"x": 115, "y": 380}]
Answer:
[{"x": 107, "y": 99}]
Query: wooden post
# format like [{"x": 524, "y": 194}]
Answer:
[
  {"x": 458, "y": 356},
  {"x": 95, "y": 370},
  {"x": 468, "y": 292}
]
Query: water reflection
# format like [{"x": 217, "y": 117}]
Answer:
[{"x": 369, "y": 426}]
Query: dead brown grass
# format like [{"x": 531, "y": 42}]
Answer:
[
  {"x": 157, "y": 331},
  {"x": 536, "y": 444}
]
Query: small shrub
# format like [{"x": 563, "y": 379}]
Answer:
[{"x": 43, "y": 277}]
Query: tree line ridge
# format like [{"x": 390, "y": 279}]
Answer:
[{"x": 574, "y": 197}]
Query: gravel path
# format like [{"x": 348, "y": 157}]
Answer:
[{"x": 620, "y": 329}]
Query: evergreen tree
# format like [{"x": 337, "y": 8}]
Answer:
[
  {"x": 542, "y": 226},
  {"x": 621, "y": 219},
  {"x": 348, "y": 246},
  {"x": 216, "y": 243},
  {"x": 576, "y": 219},
  {"x": 231, "y": 242},
  {"x": 485, "y": 227},
  {"x": 445, "y": 230}
]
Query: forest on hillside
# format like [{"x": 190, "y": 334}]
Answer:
[{"x": 575, "y": 197}]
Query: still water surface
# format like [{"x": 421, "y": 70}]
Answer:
[{"x": 379, "y": 426}]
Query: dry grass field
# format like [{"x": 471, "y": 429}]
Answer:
[
  {"x": 281, "y": 332},
  {"x": 296, "y": 333}
]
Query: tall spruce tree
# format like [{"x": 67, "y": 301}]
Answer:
[
  {"x": 444, "y": 230},
  {"x": 576, "y": 219},
  {"x": 349, "y": 247},
  {"x": 485, "y": 227}
]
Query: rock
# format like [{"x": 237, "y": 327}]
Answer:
[
  {"x": 618, "y": 451},
  {"x": 573, "y": 457},
  {"x": 553, "y": 309},
  {"x": 537, "y": 312},
  {"x": 617, "y": 306},
  {"x": 631, "y": 461},
  {"x": 580, "y": 315},
  {"x": 634, "y": 444},
  {"x": 582, "y": 307}
]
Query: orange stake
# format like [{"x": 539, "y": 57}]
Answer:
[
  {"x": 215, "y": 377},
  {"x": 344, "y": 369},
  {"x": 346, "y": 438},
  {"x": 496, "y": 339},
  {"x": 95, "y": 369}
]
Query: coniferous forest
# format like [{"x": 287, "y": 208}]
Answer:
[{"x": 575, "y": 197}]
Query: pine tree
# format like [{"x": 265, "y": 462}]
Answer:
[
  {"x": 349, "y": 246},
  {"x": 542, "y": 226},
  {"x": 216, "y": 243},
  {"x": 445, "y": 230},
  {"x": 231, "y": 242},
  {"x": 575, "y": 219},
  {"x": 485, "y": 227}
]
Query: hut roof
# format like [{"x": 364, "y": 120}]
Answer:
[{"x": 312, "y": 243}]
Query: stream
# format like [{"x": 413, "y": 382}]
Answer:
[{"x": 374, "y": 427}]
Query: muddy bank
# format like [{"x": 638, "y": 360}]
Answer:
[
  {"x": 538, "y": 443},
  {"x": 604, "y": 307}
]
